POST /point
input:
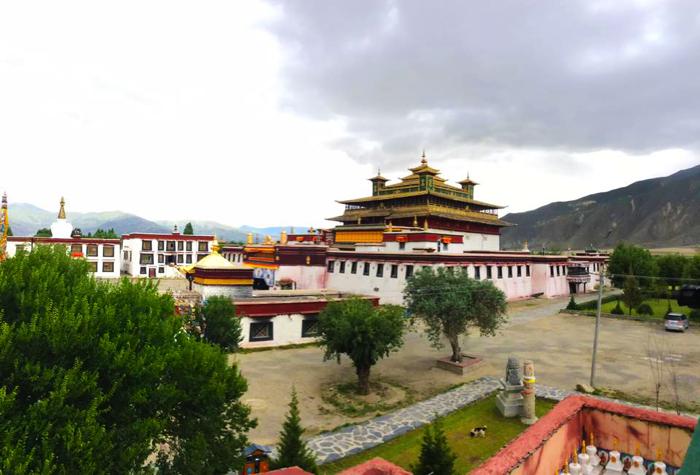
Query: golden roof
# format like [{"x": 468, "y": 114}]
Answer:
[
  {"x": 62, "y": 211},
  {"x": 409, "y": 194}
]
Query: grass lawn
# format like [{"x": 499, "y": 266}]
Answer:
[
  {"x": 471, "y": 452},
  {"x": 659, "y": 306}
]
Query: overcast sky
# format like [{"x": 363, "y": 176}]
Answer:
[{"x": 264, "y": 113}]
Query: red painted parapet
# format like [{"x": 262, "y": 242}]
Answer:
[
  {"x": 376, "y": 466},
  {"x": 545, "y": 445}
]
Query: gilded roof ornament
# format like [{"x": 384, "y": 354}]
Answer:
[{"x": 62, "y": 210}]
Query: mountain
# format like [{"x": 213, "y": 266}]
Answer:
[
  {"x": 221, "y": 231},
  {"x": 659, "y": 212}
]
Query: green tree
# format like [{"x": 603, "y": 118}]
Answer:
[
  {"x": 631, "y": 293},
  {"x": 292, "y": 450},
  {"x": 95, "y": 377},
  {"x": 692, "y": 267},
  {"x": 628, "y": 259},
  {"x": 670, "y": 269},
  {"x": 450, "y": 301},
  {"x": 361, "y": 331},
  {"x": 219, "y": 324},
  {"x": 436, "y": 456},
  {"x": 9, "y": 231},
  {"x": 43, "y": 232},
  {"x": 108, "y": 234},
  {"x": 188, "y": 229}
]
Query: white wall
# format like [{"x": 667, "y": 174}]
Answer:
[
  {"x": 100, "y": 259},
  {"x": 286, "y": 331},
  {"x": 134, "y": 246},
  {"x": 482, "y": 242}
]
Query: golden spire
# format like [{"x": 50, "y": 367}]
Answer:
[
  {"x": 415, "y": 221},
  {"x": 62, "y": 211},
  {"x": 249, "y": 238},
  {"x": 423, "y": 160},
  {"x": 215, "y": 246},
  {"x": 425, "y": 224}
]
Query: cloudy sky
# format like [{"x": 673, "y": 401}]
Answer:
[{"x": 264, "y": 113}]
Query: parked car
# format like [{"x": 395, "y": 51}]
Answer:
[{"x": 676, "y": 322}]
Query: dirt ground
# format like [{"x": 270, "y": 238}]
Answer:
[{"x": 559, "y": 344}]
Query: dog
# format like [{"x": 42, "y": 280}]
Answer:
[{"x": 478, "y": 431}]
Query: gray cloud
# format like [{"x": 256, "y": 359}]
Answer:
[{"x": 571, "y": 76}]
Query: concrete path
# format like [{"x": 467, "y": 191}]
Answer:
[{"x": 351, "y": 440}]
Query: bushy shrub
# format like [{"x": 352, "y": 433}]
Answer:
[
  {"x": 645, "y": 309},
  {"x": 617, "y": 310},
  {"x": 572, "y": 304},
  {"x": 695, "y": 315}
]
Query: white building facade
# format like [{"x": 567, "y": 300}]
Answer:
[{"x": 158, "y": 255}]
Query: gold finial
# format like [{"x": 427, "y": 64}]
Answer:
[
  {"x": 391, "y": 226},
  {"x": 62, "y": 211},
  {"x": 565, "y": 468},
  {"x": 423, "y": 160},
  {"x": 283, "y": 237},
  {"x": 215, "y": 246},
  {"x": 592, "y": 439},
  {"x": 425, "y": 224},
  {"x": 583, "y": 446},
  {"x": 415, "y": 221},
  {"x": 249, "y": 238}
]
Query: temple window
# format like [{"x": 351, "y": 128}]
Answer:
[
  {"x": 126, "y": 256},
  {"x": 520, "y": 271},
  {"x": 146, "y": 259},
  {"x": 353, "y": 267},
  {"x": 92, "y": 266},
  {"x": 201, "y": 256},
  {"x": 108, "y": 251},
  {"x": 477, "y": 272},
  {"x": 402, "y": 246},
  {"x": 76, "y": 248},
  {"x": 161, "y": 245},
  {"x": 146, "y": 245},
  {"x": 500, "y": 272},
  {"x": 488, "y": 272},
  {"x": 92, "y": 250},
  {"x": 107, "y": 266},
  {"x": 180, "y": 245},
  {"x": 510, "y": 272},
  {"x": 180, "y": 258},
  {"x": 261, "y": 331},
  {"x": 171, "y": 245},
  {"x": 394, "y": 271},
  {"x": 161, "y": 270},
  {"x": 202, "y": 246},
  {"x": 380, "y": 270},
  {"x": 365, "y": 269},
  {"x": 409, "y": 271},
  {"x": 527, "y": 270},
  {"x": 309, "y": 327},
  {"x": 189, "y": 245},
  {"x": 161, "y": 258},
  {"x": 142, "y": 271},
  {"x": 342, "y": 267},
  {"x": 551, "y": 271},
  {"x": 331, "y": 266},
  {"x": 188, "y": 259}
]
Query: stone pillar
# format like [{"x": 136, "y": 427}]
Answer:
[
  {"x": 528, "y": 413},
  {"x": 510, "y": 401}
]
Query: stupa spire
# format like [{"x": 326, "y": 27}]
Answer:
[{"x": 62, "y": 210}]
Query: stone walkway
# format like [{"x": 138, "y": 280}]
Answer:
[
  {"x": 351, "y": 440},
  {"x": 332, "y": 446}
]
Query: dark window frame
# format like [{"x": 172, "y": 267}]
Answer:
[
  {"x": 341, "y": 269},
  {"x": 380, "y": 270},
  {"x": 146, "y": 245},
  {"x": 310, "y": 321},
  {"x": 107, "y": 250},
  {"x": 394, "y": 273},
  {"x": 106, "y": 265},
  {"x": 353, "y": 267},
  {"x": 409, "y": 271},
  {"x": 366, "y": 268},
  {"x": 266, "y": 323}
]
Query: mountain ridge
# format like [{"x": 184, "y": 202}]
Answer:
[{"x": 656, "y": 212}]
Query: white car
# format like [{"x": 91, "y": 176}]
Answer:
[{"x": 676, "y": 322}]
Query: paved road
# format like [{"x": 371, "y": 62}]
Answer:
[{"x": 559, "y": 344}]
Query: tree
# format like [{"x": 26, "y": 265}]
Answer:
[
  {"x": 108, "y": 234},
  {"x": 628, "y": 259},
  {"x": 219, "y": 323},
  {"x": 9, "y": 231},
  {"x": 436, "y": 456},
  {"x": 292, "y": 450},
  {"x": 692, "y": 267},
  {"x": 188, "y": 229},
  {"x": 450, "y": 301},
  {"x": 44, "y": 232},
  {"x": 572, "y": 305},
  {"x": 361, "y": 331},
  {"x": 631, "y": 293},
  {"x": 670, "y": 269},
  {"x": 95, "y": 377}
]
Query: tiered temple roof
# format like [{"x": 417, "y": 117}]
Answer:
[{"x": 419, "y": 196}]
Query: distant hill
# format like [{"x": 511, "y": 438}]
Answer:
[
  {"x": 26, "y": 219},
  {"x": 659, "y": 212}
]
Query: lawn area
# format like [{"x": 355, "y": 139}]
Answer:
[
  {"x": 659, "y": 306},
  {"x": 471, "y": 452}
]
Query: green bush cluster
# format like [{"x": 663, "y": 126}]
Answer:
[
  {"x": 645, "y": 309},
  {"x": 617, "y": 310}
]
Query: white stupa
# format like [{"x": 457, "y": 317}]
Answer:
[{"x": 61, "y": 228}]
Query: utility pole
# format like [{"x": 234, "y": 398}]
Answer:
[{"x": 601, "y": 280}]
